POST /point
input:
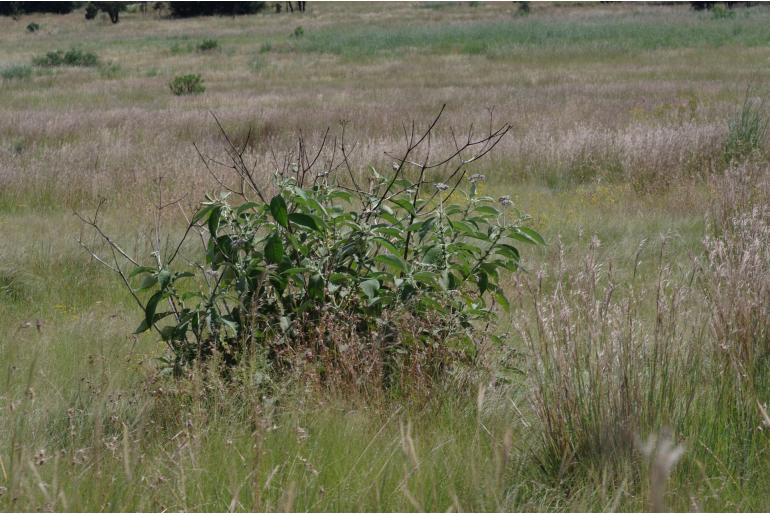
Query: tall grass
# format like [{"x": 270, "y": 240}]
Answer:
[
  {"x": 609, "y": 34},
  {"x": 612, "y": 361},
  {"x": 633, "y": 376},
  {"x": 747, "y": 131}
]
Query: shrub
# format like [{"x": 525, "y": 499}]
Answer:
[
  {"x": 298, "y": 32},
  {"x": 265, "y": 47},
  {"x": 18, "y": 71},
  {"x": 208, "y": 44},
  {"x": 322, "y": 271},
  {"x": 190, "y": 84},
  {"x": 33, "y": 27},
  {"x": 747, "y": 130},
  {"x": 720, "y": 12},
  {"x": 73, "y": 57}
]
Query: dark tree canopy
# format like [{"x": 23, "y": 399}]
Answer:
[
  {"x": 11, "y": 8},
  {"x": 188, "y": 9},
  {"x": 111, "y": 8}
]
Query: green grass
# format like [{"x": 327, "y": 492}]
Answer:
[
  {"x": 581, "y": 85},
  {"x": 747, "y": 130},
  {"x": 611, "y": 34}
]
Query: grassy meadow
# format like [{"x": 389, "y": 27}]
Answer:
[{"x": 633, "y": 373}]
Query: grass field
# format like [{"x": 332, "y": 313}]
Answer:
[{"x": 645, "y": 316}]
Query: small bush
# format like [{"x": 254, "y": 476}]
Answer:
[
  {"x": 18, "y": 71},
  {"x": 207, "y": 45},
  {"x": 720, "y": 12},
  {"x": 33, "y": 27},
  {"x": 400, "y": 277},
  {"x": 523, "y": 9},
  {"x": 265, "y": 47},
  {"x": 298, "y": 32},
  {"x": 190, "y": 84},
  {"x": 73, "y": 57},
  {"x": 747, "y": 131}
]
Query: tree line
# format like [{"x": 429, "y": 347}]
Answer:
[{"x": 176, "y": 9}]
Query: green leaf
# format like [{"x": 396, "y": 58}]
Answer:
[
  {"x": 338, "y": 278},
  {"x": 279, "y": 210},
  {"x": 403, "y": 204},
  {"x": 370, "y": 287},
  {"x": 344, "y": 195},
  {"x": 487, "y": 210},
  {"x": 503, "y": 301},
  {"x": 306, "y": 220},
  {"x": 148, "y": 282},
  {"x": 214, "y": 221},
  {"x": 482, "y": 282},
  {"x": 299, "y": 270},
  {"x": 204, "y": 212},
  {"x": 433, "y": 255},
  {"x": 448, "y": 281},
  {"x": 426, "y": 277},
  {"x": 152, "y": 305},
  {"x": 167, "y": 332},
  {"x": 429, "y": 223},
  {"x": 531, "y": 234},
  {"x": 394, "y": 261},
  {"x": 142, "y": 327},
  {"x": 508, "y": 251},
  {"x": 164, "y": 277},
  {"x": 316, "y": 287},
  {"x": 274, "y": 249},
  {"x": 385, "y": 243},
  {"x": 141, "y": 270},
  {"x": 245, "y": 207}
]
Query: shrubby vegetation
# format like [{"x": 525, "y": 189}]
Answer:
[
  {"x": 18, "y": 71},
  {"x": 208, "y": 44},
  {"x": 396, "y": 276},
  {"x": 630, "y": 373},
  {"x": 72, "y": 57},
  {"x": 190, "y": 84}
]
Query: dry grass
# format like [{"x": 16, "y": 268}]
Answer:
[{"x": 645, "y": 315}]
